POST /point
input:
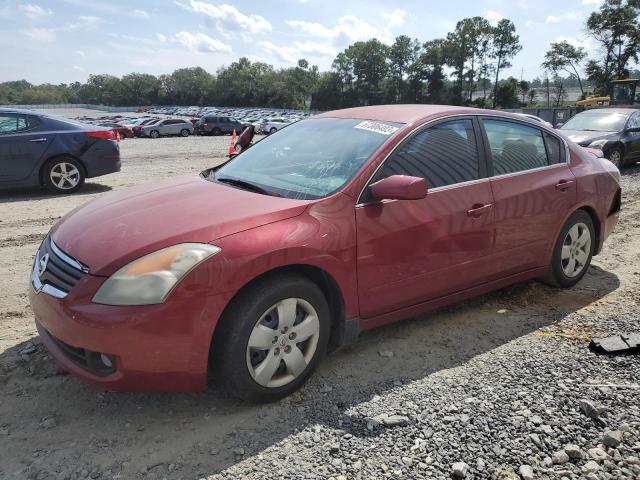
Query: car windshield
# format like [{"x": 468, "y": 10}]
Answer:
[
  {"x": 597, "y": 122},
  {"x": 308, "y": 159}
]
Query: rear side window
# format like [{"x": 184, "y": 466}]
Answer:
[
  {"x": 8, "y": 123},
  {"x": 514, "y": 147},
  {"x": 444, "y": 154},
  {"x": 555, "y": 152}
]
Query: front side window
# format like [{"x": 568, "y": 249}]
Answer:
[
  {"x": 444, "y": 154},
  {"x": 634, "y": 121},
  {"x": 514, "y": 147},
  {"x": 306, "y": 160}
]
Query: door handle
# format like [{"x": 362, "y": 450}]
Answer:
[
  {"x": 35, "y": 140},
  {"x": 564, "y": 185},
  {"x": 479, "y": 209}
]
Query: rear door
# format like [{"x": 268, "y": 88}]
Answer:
[
  {"x": 412, "y": 251},
  {"x": 22, "y": 146},
  {"x": 533, "y": 189}
]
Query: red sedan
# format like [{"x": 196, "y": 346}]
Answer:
[{"x": 337, "y": 224}]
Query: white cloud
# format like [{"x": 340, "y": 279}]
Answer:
[
  {"x": 529, "y": 23},
  {"x": 291, "y": 54},
  {"x": 35, "y": 11},
  {"x": 493, "y": 16},
  {"x": 229, "y": 19},
  {"x": 140, "y": 14},
  {"x": 41, "y": 35},
  {"x": 591, "y": 2},
  {"x": 200, "y": 42},
  {"x": 80, "y": 53},
  {"x": 348, "y": 29},
  {"x": 395, "y": 18},
  {"x": 78, "y": 68},
  {"x": 89, "y": 19},
  {"x": 161, "y": 37},
  {"x": 552, "y": 19}
]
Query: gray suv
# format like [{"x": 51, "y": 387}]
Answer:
[
  {"x": 214, "y": 125},
  {"x": 170, "y": 126}
]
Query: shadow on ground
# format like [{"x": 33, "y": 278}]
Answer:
[
  {"x": 35, "y": 193},
  {"x": 201, "y": 433}
]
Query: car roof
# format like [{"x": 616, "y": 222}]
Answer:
[
  {"x": 628, "y": 111},
  {"x": 402, "y": 113},
  {"x": 20, "y": 110}
]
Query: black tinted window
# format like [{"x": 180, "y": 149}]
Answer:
[
  {"x": 555, "y": 152},
  {"x": 514, "y": 147},
  {"x": 444, "y": 154}
]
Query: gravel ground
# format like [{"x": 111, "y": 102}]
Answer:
[{"x": 501, "y": 387}]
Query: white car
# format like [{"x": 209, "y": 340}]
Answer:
[
  {"x": 273, "y": 125},
  {"x": 537, "y": 119}
]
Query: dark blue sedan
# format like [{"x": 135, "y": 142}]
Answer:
[{"x": 59, "y": 154}]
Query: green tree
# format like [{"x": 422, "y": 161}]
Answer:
[
  {"x": 505, "y": 46},
  {"x": 402, "y": 55},
  {"x": 616, "y": 27},
  {"x": 562, "y": 56}
]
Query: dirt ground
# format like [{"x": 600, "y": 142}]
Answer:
[{"x": 53, "y": 426}]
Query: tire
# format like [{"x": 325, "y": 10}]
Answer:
[
  {"x": 184, "y": 132},
  {"x": 154, "y": 133},
  {"x": 273, "y": 130},
  {"x": 616, "y": 156},
  {"x": 63, "y": 175},
  {"x": 280, "y": 363},
  {"x": 572, "y": 256},
  {"x": 216, "y": 131}
]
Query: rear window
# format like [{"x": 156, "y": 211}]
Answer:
[{"x": 515, "y": 147}]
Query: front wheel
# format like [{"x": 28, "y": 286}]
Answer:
[
  {"x": 63, "y": 175},
  {"x": 154, "y": 134},
  {"x": 616, "y": 156},
  {"x": 273, "y": 130},
  {"x": 572, "y": 252},
  {"x": 271, "y": 338}
]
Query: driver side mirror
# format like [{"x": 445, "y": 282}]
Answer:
[{"x": 399, "y": 187}]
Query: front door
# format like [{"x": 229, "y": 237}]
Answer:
[
  {"x": 412, "y": 251},
  {"x": 21, "y": 146}
]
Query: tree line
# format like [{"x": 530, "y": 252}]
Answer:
[{"x": 463, "y": 68}]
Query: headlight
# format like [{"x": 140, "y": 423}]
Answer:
[
  {"x": 599, "y": 144},
  {"x": 151, "y": 278}
]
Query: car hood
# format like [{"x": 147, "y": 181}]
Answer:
[
  {"x": 107, "y": 233},
  {"x": 585, "y": 137}
]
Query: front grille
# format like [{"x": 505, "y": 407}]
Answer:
[
  {"x": 54, "y": 271},
  {"x": 95, "y": 362}
]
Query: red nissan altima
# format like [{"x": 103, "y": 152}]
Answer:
[{"x": 334, "y": 225}]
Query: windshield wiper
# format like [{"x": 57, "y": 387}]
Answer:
[{"x": 246, "y": 186}]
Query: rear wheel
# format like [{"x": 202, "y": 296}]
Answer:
[
  {"x": 216, "y": 131},
  {"x": 154, "y": 134},
  {"x": 63, "y": 175},
  {"x": 573, "y": 251},
  {"x": 271, "y": 338},
  {"x": 184, "y": 132},
  {"x": 273, "y": 130}
]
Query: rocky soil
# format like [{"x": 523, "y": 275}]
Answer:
[{"x": 501, "y": 387}]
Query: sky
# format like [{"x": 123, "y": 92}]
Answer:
[{"x": 55, "y": 41}]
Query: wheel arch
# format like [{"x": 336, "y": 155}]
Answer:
[
  {"x": 597, "y": 225},
  {"x": 327, "y": 284},
  {"x": 60, "y": 155}
]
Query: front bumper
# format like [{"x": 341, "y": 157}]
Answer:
[{"x": 153, "y": 347}]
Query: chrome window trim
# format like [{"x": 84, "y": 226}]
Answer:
[
  {"x": 70, "y": 260},
  {"x": 567, "y": 158}
]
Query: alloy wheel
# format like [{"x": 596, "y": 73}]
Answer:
[
  {"x": 576, "y": 250},
  {"x": 615, "y": 157},
  {"x": 64, "y": 175},
  {"x": 283, "y": 342}
]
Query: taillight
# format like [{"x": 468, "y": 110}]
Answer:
[
  {"x": 206, "y": 125},
  {"x": 103, "y": 134}
]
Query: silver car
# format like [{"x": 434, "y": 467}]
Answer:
[{"x": 169, "y": 126}]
